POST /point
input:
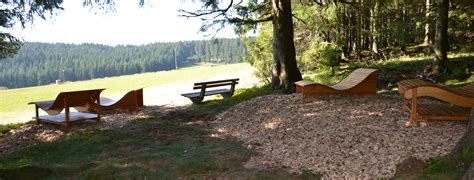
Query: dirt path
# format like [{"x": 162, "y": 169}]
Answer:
[{"x": 165, "y": 94}]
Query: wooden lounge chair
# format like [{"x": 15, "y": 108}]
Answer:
[
  {"x": 360, "y": 82},
  {"x": 130, "y": 101},
  {"x": 459, "y": 99},
  {"x": 80, "y": 100}
]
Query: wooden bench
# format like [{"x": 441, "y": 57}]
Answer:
[
  {"x": 82, "y": 101},
  {"x": 361, "y": 81},
  {"x": 197, "y": 97},
  {"x": 459, "y": 100}
]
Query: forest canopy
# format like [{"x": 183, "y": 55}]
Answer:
[{"x": 43, "y": 63}]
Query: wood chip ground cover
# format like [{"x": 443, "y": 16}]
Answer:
[{"x": 340, "y": 136}]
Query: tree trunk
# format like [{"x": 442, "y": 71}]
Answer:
[
  {"x": 373, "y": 23},
  {"x": 284, "y": 70},
  {"x": 462, "y": 155},
  {"x": 403, "y": 42},
  {"x": 439, "y": 65},
  {"x": 358, "y": 40},
  {"x": 426, "y": 41}
]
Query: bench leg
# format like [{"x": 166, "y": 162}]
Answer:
[
  {"x": 66, "y": 114},
  {"x": 37, "y": 114},
  {"x": 413, "y": 116},
  {"x": 196, "y": 100},
  {"x": 405, "y": 104}
]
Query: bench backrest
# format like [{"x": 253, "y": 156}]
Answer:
[
  {"x": 210, "y": 84},
  {"x": 76, "y": 98}
]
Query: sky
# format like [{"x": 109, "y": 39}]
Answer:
[{"x": 158, "y": 21}]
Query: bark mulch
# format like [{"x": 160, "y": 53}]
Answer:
[{"x": 340, "y": 136}]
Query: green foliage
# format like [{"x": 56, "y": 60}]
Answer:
[
  {"x": 260, "y": 54},
  {"x": 458, "y": 73},
  {"x": 13, "y": 12},
  {"x": 326, "y": 54},
  {"x": 437, "y": 169},
  {"x": 437, "y": 166},
  {"x": 467, "y": 157},
  {"x": 325, "y": 76},
  {"x": 42, "y": 63}
]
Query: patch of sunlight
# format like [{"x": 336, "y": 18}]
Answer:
[
  {"x": 311, "y": 114},
  {"x": 275, "y": 123},
  {"x": 221, "y": 130},
  {"x": 458, "y": 55},
  {"x": 455, "y": 82},
  {"x": 375, "y": 114},
  {"x": 216, "y": 136}
]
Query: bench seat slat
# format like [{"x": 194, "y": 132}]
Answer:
[
  {"x": 442, "y": 112},
  {"x": 207, "y": 93}
]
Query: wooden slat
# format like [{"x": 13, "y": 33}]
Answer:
[
  {"x": 362, "y": 81},
  {"x": 214, "y": 85},
  {"x": 466, "y": 91},
  {"x": 207, "y": 93},
  {"x": 219, "y": 81},
  {"x": 442, "y": 112},
  {"x": 356, "y": 77},
  {"x": 412, "y": 83}
]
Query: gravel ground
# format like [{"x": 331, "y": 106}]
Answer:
[{"x": 340, "y": 136}]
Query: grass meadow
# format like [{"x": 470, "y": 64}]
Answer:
[{"x": 16, "y": 99}]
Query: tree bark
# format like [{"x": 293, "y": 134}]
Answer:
[
  {"x": 358, "y": 38},
  {"x": 439, "y": 65},
  {"x": 284, "y": 70},
  {"x": 462, "y": 155},
  {"x": 426, "y": 41},
  {"x": 373, "y": 23},
  {"x": 403, "y": 42}
]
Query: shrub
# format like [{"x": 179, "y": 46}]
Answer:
[{"x": 326, "y": 54}]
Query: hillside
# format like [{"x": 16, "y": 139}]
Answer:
[{"x": 44, "y": 63}]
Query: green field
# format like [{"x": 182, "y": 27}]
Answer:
[{"x": 16, "y": 99}]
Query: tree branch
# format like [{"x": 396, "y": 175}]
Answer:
[
  {"x": 250, "y": 21},
  {"x": 208, "y": 12},
  {"x": 296, "y": 17}
]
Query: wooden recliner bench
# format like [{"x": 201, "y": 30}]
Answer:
[
  {"x": 361, "y": 81},
  {"x": 197, "y": 97},
  {"x": 460, "y": 100},
  {"x": 82, "y": 101},
  {"x": 130, "y": 101}
]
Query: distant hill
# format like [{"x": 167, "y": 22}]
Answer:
[{"x": 44, "y": 63}]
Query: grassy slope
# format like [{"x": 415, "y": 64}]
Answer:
[{"x": 17, "y": 99}]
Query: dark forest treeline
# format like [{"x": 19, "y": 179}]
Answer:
[{"x": 43, "y": 63}]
